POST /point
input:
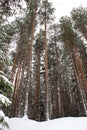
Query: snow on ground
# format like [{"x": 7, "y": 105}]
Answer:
[{"x": 69, "y": 123}]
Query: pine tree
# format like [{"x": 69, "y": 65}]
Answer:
[
  {"x": 38, "y": 49},
  {"x": 26, "y": 40},
  {"x": 6, "y": 87},
  {"x": 5, "y": 84},
  {"x": 46, "y": 13},
  {"x": 69, "y": 37},
  {"x": 79, "y": 15}
]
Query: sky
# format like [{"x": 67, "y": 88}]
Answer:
[{"x": 64, "y": 7}]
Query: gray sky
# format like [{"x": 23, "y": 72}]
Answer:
[{"x": 64, "y": 7}]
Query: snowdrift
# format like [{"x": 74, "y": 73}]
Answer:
[{"x": 69, "y": 123}]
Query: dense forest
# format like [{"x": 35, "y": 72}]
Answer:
[{"x": 44, "y": 75}]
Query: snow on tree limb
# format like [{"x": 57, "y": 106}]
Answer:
[{"x": 4, "y": 100}]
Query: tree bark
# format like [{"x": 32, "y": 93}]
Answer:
[{"x": 46, "y": 69}]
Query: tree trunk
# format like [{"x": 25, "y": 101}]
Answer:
[
  {"x": 30, "y": 56},
  {"x": 46, "y": 70},
  {"x": 15, "y": 94},
  {"x": 37, "y": 91},
  {"x": 60, "y": 87},
  {"x": 78, "y": 74}
]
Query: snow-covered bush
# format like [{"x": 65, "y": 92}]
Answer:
[
  {"x": 3, "y": 122},
  {"x": 5, "y": 88},
  {"x": 5, "y": 84},
  {"x": 4, "y": 59},
  {"x": 4, "y": 100}
]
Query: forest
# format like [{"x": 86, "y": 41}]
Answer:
[{"x": 43, "y": 63}]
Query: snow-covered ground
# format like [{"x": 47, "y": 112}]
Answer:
[{"x": 69, "y": 123}]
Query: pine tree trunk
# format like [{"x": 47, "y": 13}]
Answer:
[
  {"x": 74, "y": 58},
  {"x": 30, "y": 56},
  {"x": 46, "y": 70},
  {"x": 37, "y": 91},
  {"x": 15, "y": 94},
  {"x": 81, "y": 71},
  {"x": 61, "y": 107},
  {"x": 16, "y": 59}
]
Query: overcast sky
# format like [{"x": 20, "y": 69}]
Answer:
[{"x": 64, "y": 7}]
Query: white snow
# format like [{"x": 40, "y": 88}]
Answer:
[
  {"x": 2, "y": 114},
  {"x": 6, "y": 80},
  {"x": 4, "y": 100},
  {"x": 12, "y": 46},
  {"x": 69, "y": 123}
]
